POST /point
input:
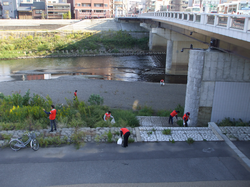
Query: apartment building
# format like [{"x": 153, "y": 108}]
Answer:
[
  {"x": 82, "y": 9},
  {"x": 55, "y": 9},
  {"x": 120, "y": 7},
  {"x": 9, "y": 8},
  {"x": 1, "y": 10}
]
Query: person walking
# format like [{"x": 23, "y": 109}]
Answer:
[
  {"x": 172, "y": 115},
  {"x": 75, "y": 95},
  {"x": 52, "y": 117},
  {"x": 107, "y": 116},
  {"x": 186, "y": 118},
  {"x": 125, "y": 132}
]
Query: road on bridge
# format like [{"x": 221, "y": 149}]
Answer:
[{"x": 140, "y": 164}]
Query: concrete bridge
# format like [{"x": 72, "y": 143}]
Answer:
[{"x": 215, "y": 51}]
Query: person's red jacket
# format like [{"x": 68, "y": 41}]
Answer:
[
  {"x": 52, "y": 115},
  {"x": 174, "y": 113},
  {"x": 124, "y": 130}
]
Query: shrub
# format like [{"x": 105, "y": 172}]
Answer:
[
  {"x": 181, "y": 109},
  {"x": 110, "y": 135},
  {"x": 180, "y": 123},
  {"x": 166, "y": 131},
  {"x": 78, "y": 138},
  {"x": 163, "y": 113},
  {"x": 190, "y": 140},
  {"x": 145, "y": 111},
  {"x": 172, "y": 141},
  {"x": 229, "y": 122},
  {"x": 131, "y": 140},
  {"x": 95, "y": 99},
  {"x": 125, "y": 117}
]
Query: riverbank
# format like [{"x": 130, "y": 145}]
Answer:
[{"x": 116, "y": 94}]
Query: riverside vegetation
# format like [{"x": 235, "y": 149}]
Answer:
[
  {"x": 25, "y": 113},
  {"x": 49, "y": 43}
]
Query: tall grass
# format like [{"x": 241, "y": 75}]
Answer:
[{"x": 48, "y": 43}]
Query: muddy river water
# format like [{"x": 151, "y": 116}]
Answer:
[{"x": 121, "y": 68}]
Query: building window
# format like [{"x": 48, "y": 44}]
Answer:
[
  {"x": 5, "y": 3},
  {"x": 28, "y": 0},
  {"x": 86, "y": 4},
  {"x": 39, "y": 11},
  {"x": 98, "y": 11},
  {"x": 98, "y": 5},
  {"x": 106, "y": 5},
  {"x": 78, "y": 4}
]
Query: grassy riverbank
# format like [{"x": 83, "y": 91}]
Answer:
[
  {"x": 49, "y": 43},
  {"x": 25, "y": 112}
]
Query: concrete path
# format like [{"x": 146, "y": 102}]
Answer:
[{"x": 149, "y": 164}]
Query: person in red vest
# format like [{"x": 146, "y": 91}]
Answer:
[
  {"x": 172, "y": 115},
  {"x": 52, "y": 117},
  {"x": 75, "y": 95},
  {"x": 186, "y": 118},
  {"x": 125, "y": 132},
  {"x": 107, "y": 116},
  {"x": 162, "y": 82}
]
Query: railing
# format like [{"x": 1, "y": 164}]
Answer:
[{"x": 227, "y": 21}]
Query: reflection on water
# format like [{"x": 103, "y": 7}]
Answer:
[{"x": 123, "y": 68}]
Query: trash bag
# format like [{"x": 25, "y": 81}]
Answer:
[
  {"x": 119, "y": 141},
  {"x": 113, "y": 121}
]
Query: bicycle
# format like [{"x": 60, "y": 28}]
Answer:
[{"x": 17, "y": 143}]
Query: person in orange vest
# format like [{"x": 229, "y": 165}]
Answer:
[
  {"x": 52, "y": 117},
  {"x": 107, "y": 116},
  {"x": 125, "y": 132},
  {"x": 162, "y": 82},
  {"x": 186, "y": 118},
  {"x": 75, "y": 95},
  {"x": 172, "y": 115}
]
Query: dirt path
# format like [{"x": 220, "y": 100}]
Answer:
[{"x": 116, "y": 94}]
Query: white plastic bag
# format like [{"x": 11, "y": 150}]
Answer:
[
  {"x": 119, "y": 141},
  {"x": 113, "y": 121}
]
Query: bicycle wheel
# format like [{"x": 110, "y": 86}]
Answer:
[
  {"x": 15, "y": 145},
  {"x": 34, "y": 144}
]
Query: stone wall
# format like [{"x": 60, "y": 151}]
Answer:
[{"x": 97, "y": 135}]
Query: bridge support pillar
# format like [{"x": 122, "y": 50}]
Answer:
[
  {"x": 193, "y": 91},
  {"x": 156, "y": 42},
  {"x": 169, "y": 56}
]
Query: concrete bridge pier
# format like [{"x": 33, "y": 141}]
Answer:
[
  {"x": 193, "y": 90},
  {"x": 218, "y": 86},
  {"x": 169, "y": 55},
  {"x": 156, "y": 42}
]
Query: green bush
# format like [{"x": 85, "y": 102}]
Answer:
[
  {"x": 110, "y": 135},
  {"x": 190, "y": 140},
  {"x": 78, "y": 138},
  {"x": 229, "y": 122},
  {"x": 180, "y": 123},
  {"x": 166, "y": 131},
  {"x": 125, "y": 117},
  {"x": 145, "y": 111},
  {"x": 163, "y": 113},
  {"x": 95, "y": 99},
  {"x": 181, "y": 109}
]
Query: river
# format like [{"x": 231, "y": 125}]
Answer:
[{"x": 121, "y": 68}]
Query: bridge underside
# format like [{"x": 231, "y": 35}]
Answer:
[{"x": 221, "y": 42}]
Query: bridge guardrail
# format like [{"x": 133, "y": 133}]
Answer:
[{"x": 239, "y": 23}]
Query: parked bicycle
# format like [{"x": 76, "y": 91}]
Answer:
[{"x": 17, "y": 143}]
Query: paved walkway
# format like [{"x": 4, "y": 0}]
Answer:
[{"x": 152, "y": 130}]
